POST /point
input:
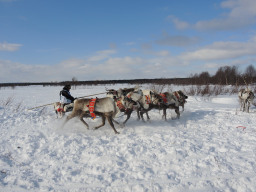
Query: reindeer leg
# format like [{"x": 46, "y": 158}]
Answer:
[
  {"x": 56, "y": 114},
  {"x": 138, "y": 114},
  {"x": 120, "y": 124},
  {"x": 111, "y": 124},
  {"x": 128, "y": 116},
  {"x": 71, "y": 116},
  {"x": 81, "y": 119},
  {"x": 103, "y": 118},
  {"x": 164, "y": 113},
  {"x": 243, "y": 106},
  {"x": 115, "y": 121},
  {"x": 141, "y": 115},
  {"x": 182, "y": 107},
  {"x": 61, "y": 114},
  {"x": 147, "y": 116},
  {"x": 177, "y": 112},
  {"x": 247, "y": 106}
]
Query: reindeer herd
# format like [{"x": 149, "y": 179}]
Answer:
[
  {"x": 128, "y": 100},
  {"x": 125, "y": 101}
]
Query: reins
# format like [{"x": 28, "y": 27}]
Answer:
[{"x": 77, "y": 98}]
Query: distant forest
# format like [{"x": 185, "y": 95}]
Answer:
[{"x": 227, "y": 75}]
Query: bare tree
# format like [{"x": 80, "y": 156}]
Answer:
[
  {"x": 74, "y": 80},
  {"x": 204, "y": 78},
  {"x": 226, "y": 75},
  {"x": 250, "y": 73}
]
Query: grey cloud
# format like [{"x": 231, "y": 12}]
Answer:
[{"x": 177, "y": 40}]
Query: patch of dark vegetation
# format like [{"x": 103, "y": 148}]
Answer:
[{"x": 227, "y": 75}]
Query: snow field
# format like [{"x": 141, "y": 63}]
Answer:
[{"x": 212, "y": 147}]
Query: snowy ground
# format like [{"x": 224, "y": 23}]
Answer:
[{"x": 212, "y": 147}]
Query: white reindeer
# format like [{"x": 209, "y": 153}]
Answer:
[
  {"x": 144, "y": 100},
  {"x": 60, "y": 110},
  {"x": 246, "y": 97}
]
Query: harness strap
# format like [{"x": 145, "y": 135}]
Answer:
[
  {"x": 129, "y": 95},
  {"x": 148, "y": 99},
  {"x": 60, "y": 110},
  {"x": 177, "y": 95},
  {"x": 163, "y": 97},
  {"x": 91, "y": 107},
  {"x": 120, "y": 105}
]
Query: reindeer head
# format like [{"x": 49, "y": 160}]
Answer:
[
  {"x": 250, "y": 96},
  {"x": 183, "y": 97},
  {"x": 127, "y": 101},
  {"x": 114, "y": 94},
  {"x": 156, "y": 98}
]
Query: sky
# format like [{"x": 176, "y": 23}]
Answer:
[{"x": 53, "y": 41}]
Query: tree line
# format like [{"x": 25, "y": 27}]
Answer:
[{"x": 227, "y": 75}]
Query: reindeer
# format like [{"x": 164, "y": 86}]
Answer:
[
  {"x": 121, "y": 102},
  {"x": 173, "y": 101},
  {"x": 106, "y": 108},
  {"x": 60, "y": 110},
  {"x": 246, "y": 97},
  {"x": 162, "y": 101},
  {"x": 181, "y": 97},
  {"x": 116, "y": 95},
  {"x": 144, "y": 101}
]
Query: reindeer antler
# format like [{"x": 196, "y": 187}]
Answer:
[{"x": 245, "y": 82}]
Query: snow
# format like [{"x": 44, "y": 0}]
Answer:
[{"x": 212, "y": 147}]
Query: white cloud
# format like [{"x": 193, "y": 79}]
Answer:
[
  {"x": 211, "y": 65},
  {"x": 241, "y": 13},
  {"x": 101, "y": 55},
  {"x": 104, "y": 65},
  {"x": 9, "y": 47},
  {"x": 71, "y": 63},
  {"x": 222, "y": 50},
  {"x": 118, "y": 66},
  {"x": 17, "y": 72}
]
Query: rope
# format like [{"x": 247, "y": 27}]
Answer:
[
  {"x": 77, "y": 98},
  {"x": 91, "y": 95}
]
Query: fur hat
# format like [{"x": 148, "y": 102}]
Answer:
[{"x": 67, "y": 87}]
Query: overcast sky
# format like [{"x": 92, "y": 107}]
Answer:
[{"x": 56, "y": 40}]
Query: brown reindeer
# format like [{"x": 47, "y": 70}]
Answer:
[{"x": 106, "y": 108}]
